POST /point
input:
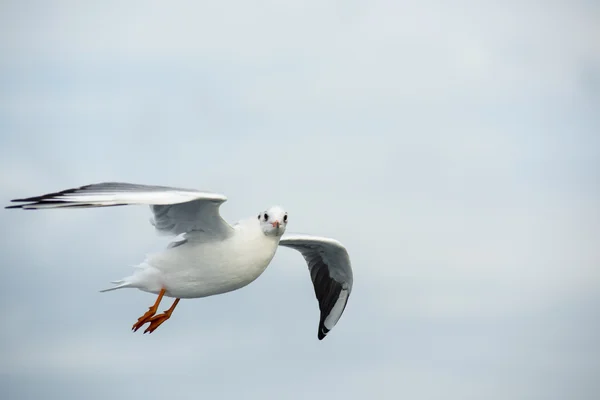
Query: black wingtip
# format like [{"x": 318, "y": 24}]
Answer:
[
  {"x": 58, "y": 204},
  {"x": 16, "y": 205},
  {"x": 45, "y": 197},
  {"x": 322, "y": 332}
]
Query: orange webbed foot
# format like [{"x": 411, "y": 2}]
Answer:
[
  {"x": 157, "y": 320},
  {"x": 150, "y": 313},
  {"x": 143, "y": 319}
]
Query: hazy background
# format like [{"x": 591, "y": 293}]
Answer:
[{"x": 452, "y": 147}]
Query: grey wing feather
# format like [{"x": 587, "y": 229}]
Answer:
[
  {"x": 331, "y": 273},
  {"x": 193, "y": 216}
]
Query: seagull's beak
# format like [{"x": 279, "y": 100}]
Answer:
[{"x": 276, "y": 224}]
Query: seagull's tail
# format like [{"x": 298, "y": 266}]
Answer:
[
  {"x": 118, "y": 285},
  {"x": 145, "y": 277}
]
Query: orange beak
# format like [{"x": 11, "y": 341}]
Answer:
[{"x": 276, "y": 224}]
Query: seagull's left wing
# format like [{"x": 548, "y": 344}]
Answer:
[
  {"x": 331, "y": 274},
  {"x": 176, "y": 210}
]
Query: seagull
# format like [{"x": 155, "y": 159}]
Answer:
[{"x": 208, "y": 256}]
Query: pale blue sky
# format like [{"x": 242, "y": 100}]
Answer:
[{"x": 454, "y": 150}]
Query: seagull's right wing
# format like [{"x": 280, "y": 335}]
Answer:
[
  {"x": 175, "y": 210},
  {"x": 331, "y": 274}
]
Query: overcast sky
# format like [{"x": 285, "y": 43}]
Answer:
[{"x": 453, "y": 148}]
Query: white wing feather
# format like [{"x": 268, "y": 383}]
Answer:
[
  {"x": 331, "y": 274},
  {"x": 176, "y": 210}
]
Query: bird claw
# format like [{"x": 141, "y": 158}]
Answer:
[
  {"x": 143, "y": 319},
  {"x": 156, "y": 321},
  {"x": 151, "y": 317}
]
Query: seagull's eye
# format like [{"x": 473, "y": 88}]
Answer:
[
  {"x": 285, "y": 218},
  {"x": 266, "y": 217}
]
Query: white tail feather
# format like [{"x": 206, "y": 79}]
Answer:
[{"x": 119, "y": 285}]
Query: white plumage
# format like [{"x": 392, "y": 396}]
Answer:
[
  {"x": 199, "y": 268},
  {"x": 209, "y": 256}
]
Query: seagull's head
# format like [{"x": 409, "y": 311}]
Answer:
[{"x": 273, "y": 221}]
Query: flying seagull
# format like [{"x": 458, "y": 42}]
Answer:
[{"x": 208, "y": 256}]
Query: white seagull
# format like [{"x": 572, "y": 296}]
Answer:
[{"x": 209, "y": 256}]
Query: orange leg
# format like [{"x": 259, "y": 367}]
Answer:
[
  {"x": 150, "y": 313},
  {"x": 157, "y": 320}
]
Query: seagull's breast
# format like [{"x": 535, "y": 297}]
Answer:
[{"x": 200, "y": 269}]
